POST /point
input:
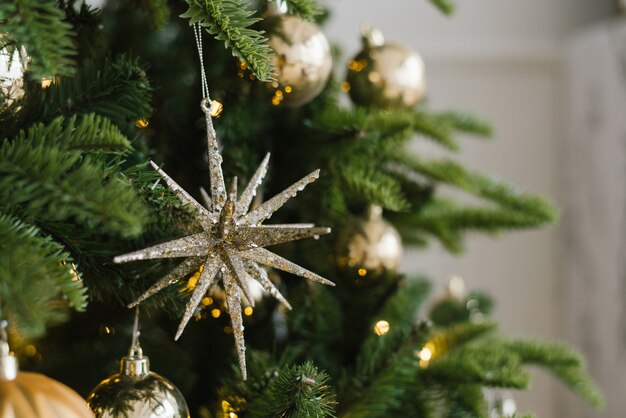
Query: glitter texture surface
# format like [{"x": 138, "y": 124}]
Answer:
[{"x": 230, "y": 247}]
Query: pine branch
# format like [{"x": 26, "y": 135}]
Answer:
[
  {"x": 581, "y": 383},
  {"x": 447, "y": 220},
  {"x": 371, "y": 185},
  {"x": 340, "y": 124},
  {"x": 36, "y": 279},
  {"x": 450, "y": 338},
  {"x": 91, "y": 133},
  {"x": 451, "y": 173},
  {"x": 465, "y": 401},
  {"x": 237, "y": 395},
  {"x": 46, "y": 183},
  {"x": 229, "y": 21},
  {"x": 565, "y": 363},
  {"x": 315, "y": 326},
  {"x": 117, "y": 89},
  {"x": 386, "y": 391},
  {"x": 485, "y": 365},
  {"x": 306, "y": 9},
  {"x": 399, "y": 311},
  {"x": 423, "y": 401},
  {"x": 445, "y": 6},
  {"x": 297, "y": 392},
  {"x": 466, "y": 123},
  {"x": 432, "y": 128},
  {"x": 39, "y": 27}
]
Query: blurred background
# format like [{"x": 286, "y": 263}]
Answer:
[{"x": 551, "y": 78}]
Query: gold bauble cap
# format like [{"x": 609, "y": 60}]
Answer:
[
  {"x": 8, "y": 363},
  {"x": 135, "y": 364}
]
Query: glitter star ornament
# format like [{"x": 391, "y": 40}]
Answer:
[{"x": 231, "y": 246}]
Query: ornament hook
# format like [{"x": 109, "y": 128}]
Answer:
[
  {"x": 276, "y": 7},
  {"x": 371, "y": 36},
  {"x": 4, "y": 336},
  {"x": 135, "y": 347},
  {"x": 8, "y": 363},
  {"x": 135, "y": 364}
]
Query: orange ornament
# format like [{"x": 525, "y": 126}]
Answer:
[{"x": 33, "y": 395}]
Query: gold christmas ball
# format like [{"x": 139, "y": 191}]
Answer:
[
  {"x": 13, "y": 64},
  {"x": 302, "y": 59},
  {"x": 369, "y": 248},
  {"x": 136, "y": 392},
  {"x": 385, "y": 74},
  {"x": 33, "y": 395}
]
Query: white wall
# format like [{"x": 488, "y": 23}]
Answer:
[{"x": 500, "y": 60}]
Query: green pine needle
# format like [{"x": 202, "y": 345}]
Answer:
[
  {"x": 39, "y": 27},
  {"x": 229, "y": 21},
  {"x": 399, "y": 312},
  {"x": 445, "y": 6},
  {"x": 565, "y": 363},
  {"x": 465, "y": 401},
  {"x": 306, "y": 9},
  {"x": 49, "y": 182},
  {"x": 117, "y": 89},
  {"x": 88, "y": 134},
  {"x": 36, "y": 282},
  {"x": 299, "y": 391},
  {"x": 486, "y": 366}
]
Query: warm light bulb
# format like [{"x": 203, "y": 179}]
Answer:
[
  {"x": 425, "y": 354},
  {"x": 382, "y": 327},
  {"x": 141, "y": 123},
  {"x": 216, "y": 109},
  {"x": 46, "y": 82}
]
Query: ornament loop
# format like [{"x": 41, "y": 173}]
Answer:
[
  {"x": 375, "y": 212},
  {"x": 276, "y": 7},
  {"x": 205, "y": 105},
  {"x": 135, "y": 348},
  {"x": 135, "y": 364},
  {"x": 371, "y": 36}
]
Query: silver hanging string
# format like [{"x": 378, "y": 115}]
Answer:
[
  {"x": 205, "y": 105},
  {"x": 197, "y": 31},
  {"x": 135, "y": 347}
]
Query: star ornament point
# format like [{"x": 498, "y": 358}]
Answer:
[{"x": 231, "y": 245}]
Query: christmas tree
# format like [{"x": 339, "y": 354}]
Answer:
[{"x": 88, "y": 96}]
